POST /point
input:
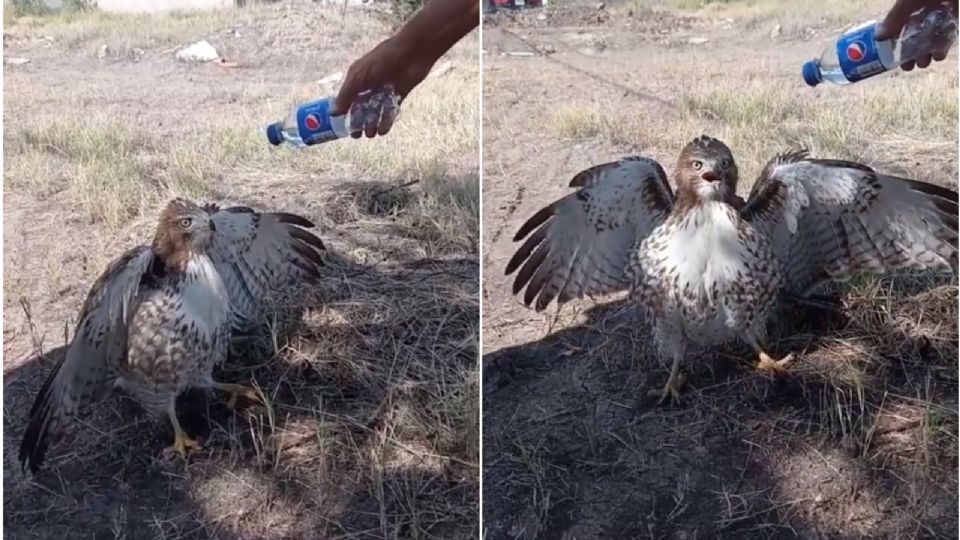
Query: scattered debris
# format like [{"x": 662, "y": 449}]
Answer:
[
  {"x": 697, "y": 40},
  {"x": 542, "y": 17},
  {"x": 777, "y": 30},
  {"x": 520, "y": 53},
  {"x": 104, "y": 50},
  {"x": 201, "y": 51},
  {"x": 16, "y": 61}
]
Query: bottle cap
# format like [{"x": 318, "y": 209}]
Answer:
[
  {"x": 811, "y": 73},
  {"x": 274, "y": 135}
]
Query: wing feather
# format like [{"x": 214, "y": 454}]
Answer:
[
  {"x": 581, "y": 244},
  {"x": 830, "y": 219},
  {"x": 260, "y": 255},
  {"x": 100, "y": 341}
]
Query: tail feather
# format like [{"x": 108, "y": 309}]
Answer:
[{"x": 47, "y": 418}]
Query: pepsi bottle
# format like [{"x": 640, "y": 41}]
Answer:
[
  {"x": 857, "y": 55},
  {"x": 311, "y": 122}
]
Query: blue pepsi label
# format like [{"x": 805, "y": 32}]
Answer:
[
  {"x": 858, "y": 54},
  {"x": 313, "y": 122}
]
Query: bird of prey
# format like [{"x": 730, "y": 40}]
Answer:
[
  {"x": 161, "y": 316},
  {"x": 707, "y": 267}
]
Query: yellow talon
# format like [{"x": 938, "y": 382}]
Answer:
[
  {"x": 182, "y": 444},
  {"x": 774, "y": 367},
  {"x": 672, "y": 389},
  {"x": 238, "y": 390}
]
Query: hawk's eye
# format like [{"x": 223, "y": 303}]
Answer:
[
  {"x": 186, "y": 222},
  {"x": 725, "y": 163},
  {"x": 697, "y": 164}
]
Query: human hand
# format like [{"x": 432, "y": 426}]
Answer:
[
  {"x": 395, "y": 61},
  {"x": 900, "y": 15}
]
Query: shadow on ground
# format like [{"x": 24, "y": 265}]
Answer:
[
  {"x": 373, "y": 396},
  {"x": 860, "y": 441}
]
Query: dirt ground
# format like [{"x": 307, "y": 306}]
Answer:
[
  {"x": 859, "y": 442},
  {"x": 374, "y": 423}
]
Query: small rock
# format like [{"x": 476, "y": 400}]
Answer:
[
  {"x": 201, "y": 51},
  {"x": 601, "y": 5},
  {"x": 548, "y": 48},
  {"x": 17, "y": 61},
  {"x": 542, "y": 17},
  {"x": 102, "y": 53},
  {"x": 697, "y": 40},
  {"x": 777, "y": 30}
]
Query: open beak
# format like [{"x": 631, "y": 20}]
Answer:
[{"x": 709, "y": 176}]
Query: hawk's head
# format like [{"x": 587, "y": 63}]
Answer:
[
  {"x": 184, "y": 227},
  {"x": 706, "y": 169}
]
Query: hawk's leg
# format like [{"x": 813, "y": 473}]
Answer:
[
  {"x": 674, "y": 384},
  {"x": 182, "y": 442},
  {"x": 238, "y": 390},
  {"x": 767, "y": 364}
]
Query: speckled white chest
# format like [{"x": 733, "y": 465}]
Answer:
[
  {"x": 701, "y": 271},
  {"x": 180, "y": 330}
]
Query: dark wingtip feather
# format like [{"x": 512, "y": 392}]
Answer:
[
  {"x": 945, "y": 194},
  {"x": 309, "y": 254},
  {"x": 528, "y": 270},
  {"x": 307, "y": 238},
  {"x": 525, "y": 250},
  {"x": 311, "y": 270},
  {"x": 535, "y": 221},
  {"x": 294, "y": 219},
  {"x": 36, "y": 438}
]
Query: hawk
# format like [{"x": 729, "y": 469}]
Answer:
[
  {"x": 707, "y": 267},
  {"x": 161, "y": 316}
]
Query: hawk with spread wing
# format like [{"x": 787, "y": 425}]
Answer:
[
  {"x": 161, "y": 316},
  {"x": 706, "y": 266}
]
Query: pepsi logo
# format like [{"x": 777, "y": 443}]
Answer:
[
  {"x": 312, "y": 122},
  {"x": 855, "y": 51}
]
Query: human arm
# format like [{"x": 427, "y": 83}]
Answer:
[
  {"x": 404, "y": 59},
  {"x": 899, "y": 16}
]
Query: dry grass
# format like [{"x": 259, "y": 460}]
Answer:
[
  {"x": 373, "y": 426},
  {"x": 911, "y": 119},
  {"x": 860, "y": 442}
]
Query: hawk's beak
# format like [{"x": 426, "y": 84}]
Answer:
[{"x": 710, "y": 176}]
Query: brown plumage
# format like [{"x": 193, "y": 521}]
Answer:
[
  {"x": 160, "y": 317},
  {"x": 707, "y": 266}
]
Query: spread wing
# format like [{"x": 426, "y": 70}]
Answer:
[
  {"x": 100, "y": 341},
  {"x": 830, "y": 219},
  {"x": 581, "y": 243},
  {"x": 261, "y": 255}
]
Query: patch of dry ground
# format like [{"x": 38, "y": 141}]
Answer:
[
  {"x": 860, "y": 442},
  {"x": 373, "y": 431}
]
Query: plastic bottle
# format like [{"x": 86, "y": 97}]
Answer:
[
  {"x": 857, "y": 55},
  {"x": 310, "y": 123}
]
